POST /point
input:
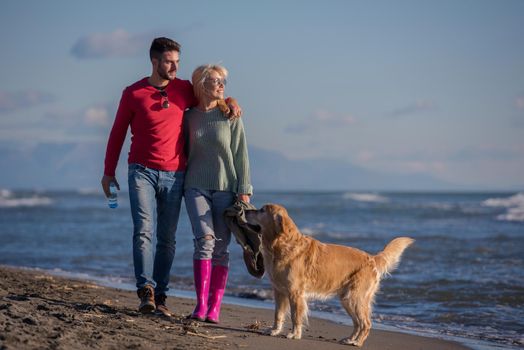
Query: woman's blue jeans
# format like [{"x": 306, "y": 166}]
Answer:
[{"x": 153, "y": 190}]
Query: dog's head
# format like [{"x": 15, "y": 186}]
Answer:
[{"x": 272, "y": 222}]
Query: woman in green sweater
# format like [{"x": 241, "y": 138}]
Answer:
[{"x": 217, "y": 174}]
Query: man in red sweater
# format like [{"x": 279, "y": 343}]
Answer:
[{"x": 153, "y": 107}]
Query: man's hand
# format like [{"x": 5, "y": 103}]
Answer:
[
  {"x": 235, "y": 110},
  {"x": 106, "y": 181},
  {"x": 224, "y": 108},
  {"x": 243, "y": 198}
]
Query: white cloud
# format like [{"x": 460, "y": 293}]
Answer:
[
  {"x": 59, "y": 115},
  {"x": 12, "y": 101},
  {"x": 407, "y": 162},
  {"x": 119, "y": 43},
  {"x": 519, "y": 102},
  {"x": 97, "y": 116},
  {"x": 499, "y": 166},
  {"x": 429, "y": 167},
  {"x": 365, "y": 156},
  {"x": 419, "y": 106},
  {"x": 332, "y": 119},
  {"x": 94, "y": 116},
  {"x": 321, "y": 119},
  {"x": 487, "y": 152},
  {"x": 58, "y": 124}
]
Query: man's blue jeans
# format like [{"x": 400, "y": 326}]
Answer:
[{"x": 163, "y": 190}]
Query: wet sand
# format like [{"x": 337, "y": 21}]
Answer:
[{"x": 42, "y": 311}]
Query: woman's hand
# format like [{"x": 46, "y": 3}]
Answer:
[{"x": 243, "y": 198}]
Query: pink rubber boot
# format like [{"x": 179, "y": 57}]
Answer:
[
  {"x": 216, "y": 292},
  {"x": 202, "y": 275}
]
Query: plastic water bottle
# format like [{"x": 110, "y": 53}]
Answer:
[{"x": 112, "y": 200}]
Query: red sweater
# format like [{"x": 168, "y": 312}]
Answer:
[{"x": 157, "y": 139}]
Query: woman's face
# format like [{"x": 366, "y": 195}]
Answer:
[{"x": 214, "y": 86}]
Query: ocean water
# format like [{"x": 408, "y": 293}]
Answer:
[{"x": 462, "y": 279}]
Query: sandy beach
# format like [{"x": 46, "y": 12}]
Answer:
[{"x": 42, "y": 311}]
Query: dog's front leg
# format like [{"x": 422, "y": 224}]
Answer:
[
  {"x": 281, "y": 308},
  {"x": 298, "y": 314}
]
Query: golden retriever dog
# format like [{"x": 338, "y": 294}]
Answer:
[{"x": 302, "y": 268}]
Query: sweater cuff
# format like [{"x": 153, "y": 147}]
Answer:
[
  {"x": 109, "y": 172},
  {"x": 245, "y": 189}
]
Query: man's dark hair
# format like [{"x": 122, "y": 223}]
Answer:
[{"x": 161, "y": 45}]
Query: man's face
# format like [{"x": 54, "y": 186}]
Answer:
[{"x": 167, "y": 66}]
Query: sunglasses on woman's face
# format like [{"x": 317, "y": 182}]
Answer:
[
  {"x": 217, "y": 81},
  {"x": 165, "y": 101}
]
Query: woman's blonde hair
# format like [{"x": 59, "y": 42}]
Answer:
[{"x": 201, "y": 73}]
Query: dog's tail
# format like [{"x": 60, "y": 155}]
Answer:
[{"x": 388, "y": 259}]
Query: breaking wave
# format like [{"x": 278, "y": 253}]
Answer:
[
  {"x": 366, "y": 197},
  {"x": 514, "y": 205},
  {"x": 9, "y": 200}
]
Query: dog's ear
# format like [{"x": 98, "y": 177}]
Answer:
[
  {"x": 283, "y": 224},
  {"x": 278, "y": 222},
  {"x": 288, "y": 226}
]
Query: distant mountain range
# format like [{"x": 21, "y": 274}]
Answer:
[
  {"x": 79, "y": 165},
  {"x": 274, "y": 171}
]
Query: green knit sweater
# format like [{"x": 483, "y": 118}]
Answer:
[{"x": 217, "y": 152}]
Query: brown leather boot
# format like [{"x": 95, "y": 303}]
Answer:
[
  {"x": 147, "y": 299},
  {"x": 161, "y": 307}
]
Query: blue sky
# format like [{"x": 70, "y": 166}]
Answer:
[{"x": 404, "y": 87}]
